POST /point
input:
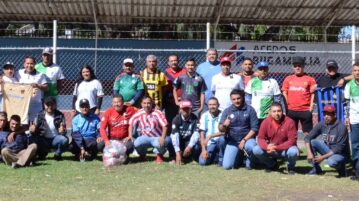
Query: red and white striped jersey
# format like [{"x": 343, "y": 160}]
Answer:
[{"x": 149, "y": 124}]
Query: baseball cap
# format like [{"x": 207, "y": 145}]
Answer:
[
  {"x": 226, "y": 59},
  {"x": 84, "y": 103},
  {"x": 8, "y": 64},
  {"x": 49, "y": 100},
  {"x": 329, "y": 108},
  {"x": 128, "y": 60},
  {"x": 298, "y": 60},
  {"x": 262, "y": 64},
  {"x": 332, "y": 63},
  {"x": 47, "y": 50},
  {"x": 185, "y": 104}
]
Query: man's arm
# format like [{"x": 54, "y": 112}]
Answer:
[
  {"x": 202, "y": 102},
  {"x": 59, "y": 85},
  {"x": 103, "y": 128}
]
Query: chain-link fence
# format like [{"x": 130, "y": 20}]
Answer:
[{"x": 109, "y": 62}]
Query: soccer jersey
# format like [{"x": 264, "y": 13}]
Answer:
[
  {"x": 222, "y": 87},
  {"x": 52, "y": 74},
  {"x": 171, "y": 75},
  {"x": 127, "y": 85},
  {"x": 299, "y": 89},
  {"x": 263, "y": 92},
  {"x": 116, "y": 123},
  {"x": 149, "y": 124},
  {"x": 192, "y": 86},
  {"x": 209, "y": 124},
  {"x": 351, "y": 92},
  {"x": 89, "y": 90},
  {"x": 154, "y": 85},
  {"x": 207, "y": 71}
]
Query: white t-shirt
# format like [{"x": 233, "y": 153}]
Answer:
[
  {"x": 36, "y": 99},
  {"x": 89, "y": 90},
  {"x": 222, "y": 87},
  {"x": 51, "y": 130},
  {"x": 54, "y": 73}
]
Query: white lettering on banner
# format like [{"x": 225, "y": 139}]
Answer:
[
  {"x": 280, "y": 62},
  {"x": 293, "y": 88}
]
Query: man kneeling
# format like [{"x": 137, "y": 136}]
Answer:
[
  {"x": 277, "y": 138},
  {"x": 18, "y": 152},
  {"x": 334, "y": 146}
]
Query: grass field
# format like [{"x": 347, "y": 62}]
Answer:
[{"x": 72, "y": 180}]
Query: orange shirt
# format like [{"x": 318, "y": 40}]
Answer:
[{"x": 299, "y": 90}]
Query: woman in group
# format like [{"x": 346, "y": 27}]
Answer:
[{"x": 88, "y": 87}]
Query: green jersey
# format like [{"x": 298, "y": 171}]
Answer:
[
  {"x": 53, "y": 73},
  {"x": 127, "y": 85}
]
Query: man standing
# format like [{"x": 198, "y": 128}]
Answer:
[
  {"x": 334, "y": 146},
  {"x": 277, "y": 138},
  {"x": 49, "y": 130},
  {"x": 115, "y": 123},
  {"x": 247, "y": 71},
  {"x": 262, "y": 91},
  {"x": 331, "y": 77},
  {"x": 185, "y": 133},
  {"x": 224, "y": 82},
  {"x": 240, "y": 124},
  {"x": 52, "y": 71},
  {"x": 154, "y": 80},
  {"x": 85, "y": 136},
  {"x": 212, "y": 141},
  {"x": 298, "y": 90},
  {"x": 128, "y": 84},
  {"x": 208, "y": 69},
  {"x": 18, "y": 153},
  {"x": 351, "y": 94},
  {"x": 192, "y": 87},
  {"x": 152, "y": 126}
]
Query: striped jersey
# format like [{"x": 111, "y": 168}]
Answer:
[
  {"x": 209, "y": 124},
  {"x": 154, "y": 85},
  {"x": 263, "y": 92},
  {"x": 351, "y": 92},
  {"x": 149, "y": 124}
]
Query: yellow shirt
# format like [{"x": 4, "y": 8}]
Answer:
[{"x": 154, "y": 85}]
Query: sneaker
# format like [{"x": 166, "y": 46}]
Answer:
[
  {"x": 315, "y": 171},
  {"x": 159, "y": 159},
  {"x": 14, "y": 165},
  {"x": 58, "y": 157},
  {"x": 342, "y": 174},
  {"x": 354, "y": 178},
  {"x": 291, "y": 172}
]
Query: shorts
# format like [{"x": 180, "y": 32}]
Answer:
[{"x": 305, "y": 118}]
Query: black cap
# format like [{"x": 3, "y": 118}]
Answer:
[
  {"x": 50, "y": 100},
  {"x": 298, "y": 60},
  {"x": 9, "y": 64},
  {"x": 84, "y": 103},
  {"x": 332, "y": 63}
]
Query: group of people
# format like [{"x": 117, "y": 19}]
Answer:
[{"x": 204, "y": 113}]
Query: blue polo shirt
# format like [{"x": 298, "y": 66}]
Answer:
[
  {"x": 242, "y": 119},
  {"x": 207, "y": 71},
  {"x": 87, "y": 126}
]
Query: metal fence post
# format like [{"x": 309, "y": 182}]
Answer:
[{"x": 54, "y": 41}]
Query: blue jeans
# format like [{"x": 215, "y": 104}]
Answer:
[
  {"x": 44, "y": 145},
  {"x": 354, "y": 137},
  {"x": 270, "y": 160},
  {"x": 143, "y": 142},
  {"x": 233, "y": 156},
  {"x": 336, "y": 161},
  {"x": 215, "y": 152}
]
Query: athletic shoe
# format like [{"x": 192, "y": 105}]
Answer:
[
  {"x": 14, "y": 165},
  {"x": 315, "y": 171},
  {"x": 159, "y": 159},
  {"x": 57, "y": 157}
]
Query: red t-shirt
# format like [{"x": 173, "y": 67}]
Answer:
[
  {"x": 170, "y": 77},
  {"x": 299, "y": 90},
  {"x": 246, "y": 78},
  {"x": 117, "y": 123}
]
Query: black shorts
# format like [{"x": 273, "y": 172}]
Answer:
[{"x": 305, "y": 119}]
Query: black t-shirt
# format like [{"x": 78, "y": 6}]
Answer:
[
  {"x": 185, "y": 128},
  {"x": 327, "y": 81}
]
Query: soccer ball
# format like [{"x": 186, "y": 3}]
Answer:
[{"x": 114, "y": 154}]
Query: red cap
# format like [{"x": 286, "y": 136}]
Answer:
[
  {"x": 225, "y": 59},
  {"x": 185, "y": 104},
  {"x": 329, "y": 108}
]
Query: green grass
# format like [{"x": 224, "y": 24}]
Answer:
[{"x": 72, "y": 180}]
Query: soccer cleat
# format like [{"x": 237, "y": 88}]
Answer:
[{"x": 159, "y": 159}]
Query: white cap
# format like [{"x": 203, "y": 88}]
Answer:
[
  {"x": 47, "y": 50},
  {"x": 128, "y": 60}
]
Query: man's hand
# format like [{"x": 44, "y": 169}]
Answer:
[
  {"x": 187, "y": 151},
  {"x": 62, "y": 128},
  {"x": 318, "y": 159},
  {"x": 310, "y": 157},
  {"x": 11, "y": 137},
  {"x": 178, "y": 158},
  {"x": 99, "y": 139},
  {"x": 204, "y": 154},
  {"x": 35, "y": 85},
  {"x": 161, "y": 141},
  {"x": 32, "y": 127},
  {"x": 97, "y": 111},
  {"x": 129, "y": 138},
  {"x": 341, "y": 83},
  {"x": 271, "y": 148},
  {"x": 107, "y": 143},
  {"x": 241, "y": 144},
  {"x": 227, "y": 122}
]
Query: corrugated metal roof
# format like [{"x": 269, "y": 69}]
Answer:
[{"x": 281, "y": 12}]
